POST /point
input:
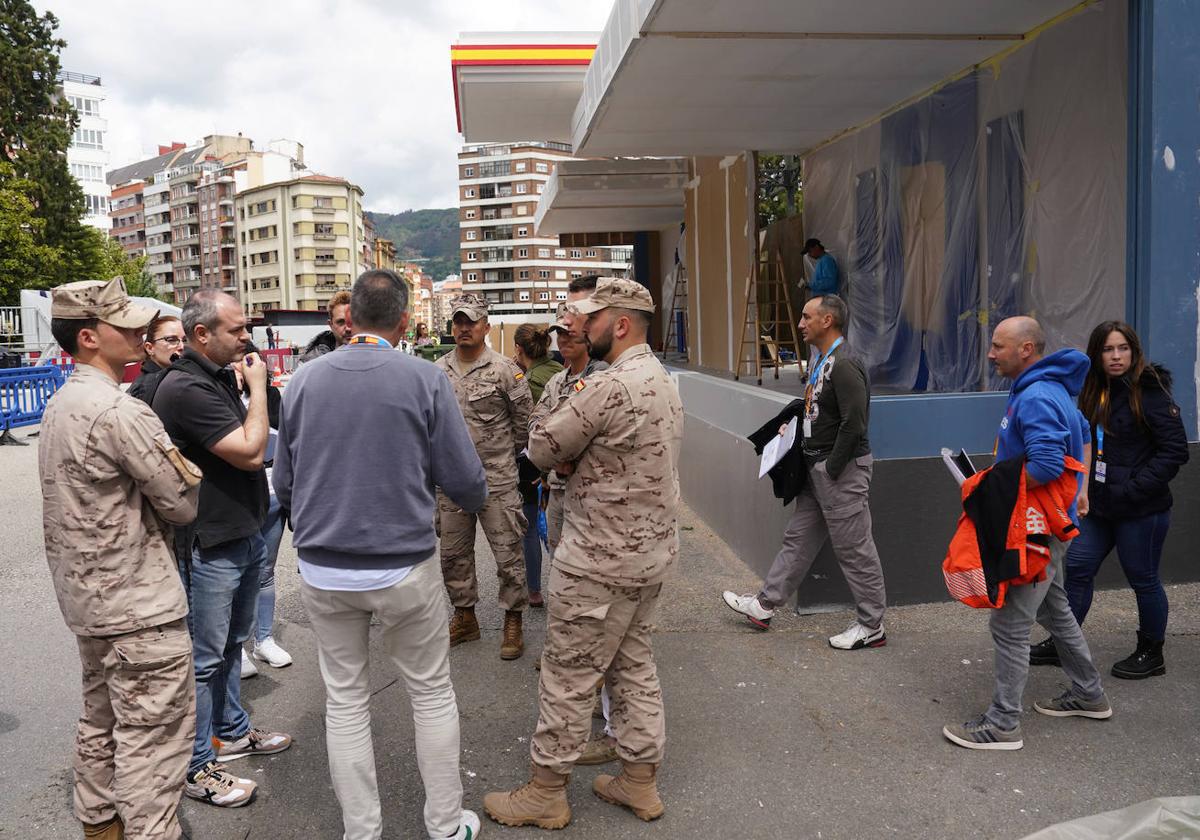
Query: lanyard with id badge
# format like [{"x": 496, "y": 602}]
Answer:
[
  {"x": 810, "y": 407},
  {"x": 1101, "y": 471}
]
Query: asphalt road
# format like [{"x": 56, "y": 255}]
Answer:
[{"x": 769, "y": 734}]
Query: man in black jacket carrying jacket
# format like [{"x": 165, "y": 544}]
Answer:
[{"x": 832, "y": 504}]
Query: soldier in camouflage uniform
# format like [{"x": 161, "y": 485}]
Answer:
[
  {"x": 113, "y": 484},
  {"x": 618, "y": 439},
  {"x": 495, "y": 402}
]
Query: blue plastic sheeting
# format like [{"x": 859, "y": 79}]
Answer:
[{"x": 24, "y": 393}]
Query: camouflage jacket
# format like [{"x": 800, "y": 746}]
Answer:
[
  {"x": 560, "y": 386},
  {"x": 622, "y": 429},
  {"x": 495, "y": 401},
  {"x": 112, "y": 485}
]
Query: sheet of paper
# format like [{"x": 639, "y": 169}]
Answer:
[{"x": 779, "y": 446}]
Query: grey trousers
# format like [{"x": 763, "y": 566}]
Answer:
[
  {"x": 836, "y": 511},
  {"x": 1046, "y": 602}
]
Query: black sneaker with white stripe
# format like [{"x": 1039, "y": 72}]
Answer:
[{"x": 981, "y": 734}]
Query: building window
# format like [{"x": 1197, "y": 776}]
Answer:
[
  {"x": 576, "y": 253},
  {"x": 544, "y": 253},
  {"x": 576, "y": 274},
  {"x": 469, "y": 192},
  {"x": 522, "y": 231},
  {"x": 523, "y": 274},
  {"x": 523, "y": 296},
  {"x": 471, "y": 234},
  {"x": 543, "y": 296},
  {"x": 522, "y": 252},
  {"x": 560, "y": 275},
  {"x": 522, "y": 189},
  {"x": 520, "y": 166},
  {"x": 560, "y": 295},
  {"x": 591, "y": 253},
  {"x": 470, "y": 214},
  {"x": 542, "y": 167},
  {"x": 522, "y": 210},
  {"x": 88, "y": 138},
  {"x": 472, "y": 256},
  {"x": 469, "y": 172},
  {"x": 541, "y": 188},
  {"x": 560, "y": 253},
  {"x": 543, "y": 274}
]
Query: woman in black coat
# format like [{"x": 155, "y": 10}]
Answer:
[{"x": 1138, "y": 445}]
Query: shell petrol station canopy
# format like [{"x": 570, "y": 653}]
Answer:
[{"x": 519, "y": 86}]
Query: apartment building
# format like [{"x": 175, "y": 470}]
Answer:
[
  {"x": 443, "y": 293},
  {"x": 523, "y": 276},
  {"x": 126, "y": 212},
  {"x": 298, "y": 242},
  {"x": 87, "y": 159}
]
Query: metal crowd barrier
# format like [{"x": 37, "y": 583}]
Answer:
[{"x": 24, "y": 392}]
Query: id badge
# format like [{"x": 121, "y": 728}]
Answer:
[
  {"x": 1101, "y": 473},
  {"x": 807, "y": 427}
]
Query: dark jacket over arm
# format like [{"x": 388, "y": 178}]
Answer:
[{"x": 789, "y": 476}]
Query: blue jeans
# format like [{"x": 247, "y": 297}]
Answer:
[
  {"x": 1139, "y": 544},
  {"x": 272, "y": 534},
  {"x": 222, "y": 588},
  {"x": 533, "y": 547}
]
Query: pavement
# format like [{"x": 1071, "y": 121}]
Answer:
[{"x": 769, "y": 734}]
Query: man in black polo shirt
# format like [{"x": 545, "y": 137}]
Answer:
[{"x": 202, "y": 411}]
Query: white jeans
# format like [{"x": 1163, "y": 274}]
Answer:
[{"x": 412, "y": 631}]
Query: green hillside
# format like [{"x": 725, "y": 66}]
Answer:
[{"x": 429, "y": 234}]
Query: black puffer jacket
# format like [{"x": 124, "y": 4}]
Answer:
[
  {"x": 1140, "y": 459},
  {"x": 322, "y": 343}
]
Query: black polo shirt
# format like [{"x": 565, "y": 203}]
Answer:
[{"x": 199, "y": 404}]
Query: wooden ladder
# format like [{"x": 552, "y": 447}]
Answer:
[
  {"x": 769, "y": 310},
  {"x": 679, "y": 304}
]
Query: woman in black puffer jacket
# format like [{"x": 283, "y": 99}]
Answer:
[{"x": 1138, "y": 445}]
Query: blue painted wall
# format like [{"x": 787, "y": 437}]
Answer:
[{"x": 1164, "y": 188}]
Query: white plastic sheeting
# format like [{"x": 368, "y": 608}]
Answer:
[
  {"x": 1001, "y": 193},
  {"x": 1154, "y": 819}
]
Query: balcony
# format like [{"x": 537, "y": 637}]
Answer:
[
  {"x": 324, "y": 211},
  {"x": 325, "y": 237},
  {"x": 225, "y": 221},
  {"x": 228, "y": 242},
  {"x": 188, "y": 261},
  {"x": 187, "y": 239}
]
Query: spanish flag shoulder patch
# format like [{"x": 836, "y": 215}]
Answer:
[
  {"x": 580, "y": 385},
  {"x": 518, "y": 376}
]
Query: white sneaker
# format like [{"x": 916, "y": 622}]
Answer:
[
  {"x": 270, "y": 652},
  {"x": 217, "y": 786},
  {"x": 749, "y": 606},
  {"x": 468, "y": 829},
  {"x": 248, "y": 668},
  {"x": 857, "y": 637}
]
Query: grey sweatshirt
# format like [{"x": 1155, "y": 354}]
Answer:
[{"x": 365, "y": 434}]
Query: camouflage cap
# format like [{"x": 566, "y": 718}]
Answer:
[
  {"x": 559, "y": 324},
  {"x": 107, "y": 302},
  {"x": 613, "y": 291},
  {"x": 472, "y": 305}
]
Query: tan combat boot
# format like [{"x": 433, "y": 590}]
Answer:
[
  {"x": 463, "y": 626},
  {"x": 542, "y": 802},
  {"x": 634, "y": 788},
  {"x": 114, "y": 829},
  {"x": 513, "y": 643}
]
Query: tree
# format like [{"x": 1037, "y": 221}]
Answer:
[
  {"x": 778, "y": 188},
  {"x": 25, "y": 261},
  {"x": 36, "y": 126},
  {"x": 116, "y": 263}
]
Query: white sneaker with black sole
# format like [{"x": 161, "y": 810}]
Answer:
[
  {"x": 858, "y": 637},
  {"x": 217, "y": 786},
  {"x": 749, "y": 606}
]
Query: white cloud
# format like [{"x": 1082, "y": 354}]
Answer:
[{"x": 363, "y": 84}]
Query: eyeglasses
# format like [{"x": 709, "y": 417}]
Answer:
[{"x": 173, "y": 340}]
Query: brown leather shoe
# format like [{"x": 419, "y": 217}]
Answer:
[
  {"x": 634, "y": 789},
  {"x": 600, "y": 749},
  {"x": 114, "y": 829},
  {"x": 542, "y": 802},
  {"x": 463, "y": 626},
  {"x": 513, "y": 643}
]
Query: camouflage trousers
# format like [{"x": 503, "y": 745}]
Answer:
[
  {"x": 504, "y": 526},
  {"x": 596, "y": 631},
  {"x": 135, "y": 734},
  {"x": 554, "y": 517}
]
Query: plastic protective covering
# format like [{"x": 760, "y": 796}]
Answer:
[
  {"x": 1001, "y": 193},
  {"x": 1154, "y": 819}
]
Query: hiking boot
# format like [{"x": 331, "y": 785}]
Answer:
[
  {"x": 1068, "y": 705},
  {"x": 858, "y": 637},
  {"x": 512, "y": 645},
  {"x": 463, "y": 626},
  {"x": 634, "y": 788},
  {"x": 541, "y": 802},
  {"x": 113, "y": 829},
  {"x": 248, "y": 667},
  {"x": 1044, "y": 653},
  {"x": 214, "y": 785},
  {"x": 980, "y": 734},
  {"x": 1146, "y": 661},
  {"x": 600, "y": 749},
  {"x": 749, "y": 606},
  {"x": 254, "y": 742},
  {"x": 269, "y": 651}
]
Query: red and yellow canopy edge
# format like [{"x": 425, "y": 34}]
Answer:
[{"x": 515, "y": 55}]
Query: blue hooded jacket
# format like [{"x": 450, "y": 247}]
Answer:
[{"x": 1041, "y": 422}]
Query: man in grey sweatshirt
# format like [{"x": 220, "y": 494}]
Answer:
[{"x": 365, "y": 436}]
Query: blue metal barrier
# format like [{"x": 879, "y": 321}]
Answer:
[{"x": 24, "y": 392}]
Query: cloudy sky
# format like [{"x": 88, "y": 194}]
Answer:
[{"x": 363, "y": 84}]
